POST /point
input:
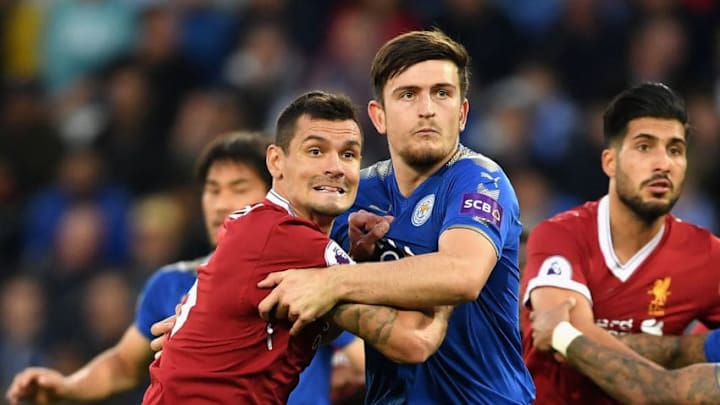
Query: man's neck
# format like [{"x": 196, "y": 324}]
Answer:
[
  {"x": 629, "y": 232},
  {"x": 410, "y": 177}
]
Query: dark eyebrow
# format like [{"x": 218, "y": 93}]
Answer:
[
  {"x": 651, "y": 137},
  {"x": 353, "y": 143},
  {"x": 235, "y": 182}
]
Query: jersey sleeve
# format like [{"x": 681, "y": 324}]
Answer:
[
  {"x": 711, "y": 319},
  {"x": 554, "y": 259},
  {"x": 483, "y": 200},
  {"x": 339, "y": 231},
  {"x": 295, "y": 245},
  {"x": 154, "y": 302},
  {"x": 343, "y": 340}
]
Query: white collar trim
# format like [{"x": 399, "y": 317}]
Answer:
[
  {"x": 621, "y": 271},
  {"x": 279, "y": 200}
]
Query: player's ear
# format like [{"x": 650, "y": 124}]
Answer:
[
  {"x": 377, "y": 115},
  {"x": 274, "y": 159},
  {"x": 607, "y": 159},
  {"x": 464, "y": 108}
]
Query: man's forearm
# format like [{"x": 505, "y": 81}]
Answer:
[
  {"x": 402, "y": 336},
  {"x": 669, "y": 351},
  {"x": 105, "y": 375},
  {"x": 637, "y": 382},
  {"x": 414, "y": 282}
]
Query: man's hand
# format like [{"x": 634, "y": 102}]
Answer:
[
  {"x": 161, "y": 329},
  {"x": 364, "y": 229},
  {"x": 544, "y": 322},
  {"x": 37, "y": 385},
  {"x": 301, "y": 296}
]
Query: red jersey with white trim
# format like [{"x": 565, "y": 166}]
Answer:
[
  {"x": 221, "y": 351},
  {"x": 671, "y": 281}
]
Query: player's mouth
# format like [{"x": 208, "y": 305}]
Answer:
[
  {"x": 659, "y": 186},
  {"x": 426, "y": 131},
  {"x": 330, "y": 189}
]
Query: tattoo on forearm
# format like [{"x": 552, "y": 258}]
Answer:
[
  {"x": 669, "y": 351},
  {"x": 372, "y": 323},
  {"x": 632, "y": 381}
]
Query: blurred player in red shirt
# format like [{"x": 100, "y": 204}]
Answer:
[
  {"x": 629, "y": 264},
  {"x": 220, "y": 351}
]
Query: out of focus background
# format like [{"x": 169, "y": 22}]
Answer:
[{"x": 105, "y": 104}]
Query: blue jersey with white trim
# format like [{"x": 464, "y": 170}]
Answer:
[
  {"x": 480, "y": 360},
  {"x": 163, "y": 291}
]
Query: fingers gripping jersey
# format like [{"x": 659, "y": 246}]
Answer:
[
  {"x": 479, "y": 362},
  {"x": 222, "y": 351}
]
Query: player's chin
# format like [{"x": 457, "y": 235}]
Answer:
[{"x": 333, "y": 208}]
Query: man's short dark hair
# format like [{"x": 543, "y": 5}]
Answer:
[
  {"x": 406, "y": 50},
  {"x": 317, "y": 105},
  {"x": 246, "y": 148},
  {"x": 646, "y": 100}
]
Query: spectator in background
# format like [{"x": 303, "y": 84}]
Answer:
[
  {"x": 82, "y": 36},
  {"x": 22, "y": 315},
  {"x": 79, "y": 182}
]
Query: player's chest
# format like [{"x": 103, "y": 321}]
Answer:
[{"x": 661, "y": 296}]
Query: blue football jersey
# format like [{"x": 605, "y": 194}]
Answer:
[
  {"x": 163, "y": 291},
  {"x": 480, "y": 360}
]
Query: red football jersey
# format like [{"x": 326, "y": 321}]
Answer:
[
  {"x": 671, "y": 281},
  {"x": 221, "y": 351}
]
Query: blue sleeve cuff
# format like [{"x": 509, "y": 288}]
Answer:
[{"x": 712, "y": 346}]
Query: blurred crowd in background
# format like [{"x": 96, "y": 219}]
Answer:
[{"x": 105, "y": 105}]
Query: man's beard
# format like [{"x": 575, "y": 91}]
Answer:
[
  {"x": 423, "y": 159},
  {"x": 646, "y": 212}
]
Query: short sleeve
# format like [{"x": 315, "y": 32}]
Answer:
[
  {"x": 483, "y": 200},
  {"x": 554, "y": 259},
  {"x": 161, "y": 293},
  {"x": 343, "y": 340}
]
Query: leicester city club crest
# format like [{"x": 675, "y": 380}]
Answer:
[{"x": 423, "y": 210}]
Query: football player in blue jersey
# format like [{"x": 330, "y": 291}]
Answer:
[
  {"x": 455, "y": 228},
  {"x": 233, "y": 174}
]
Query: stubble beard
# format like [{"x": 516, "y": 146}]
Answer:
[
  {"x": 423, "y": 158},
  {"x": 647, "y": 212}
]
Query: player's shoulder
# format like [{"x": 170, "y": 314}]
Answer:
[
  {"x": 692, "y": 235},
  {"x": 177, "y": 272},
  {"x": 183, "y": 266},
  {"x": 376, "y": 172},
  {"x": 466, "y": 158},
  {"x": 575, "y": 220}
]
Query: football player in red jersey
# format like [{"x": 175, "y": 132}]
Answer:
[
  {"x": 630, "y": 265},
  {"x": 220, "y": 351}
]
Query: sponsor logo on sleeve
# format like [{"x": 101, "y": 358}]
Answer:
[
  {"x": 556, "y": 266},
  {"x": 482, "y": 207},
  {"x": 334, "y": 254}
]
